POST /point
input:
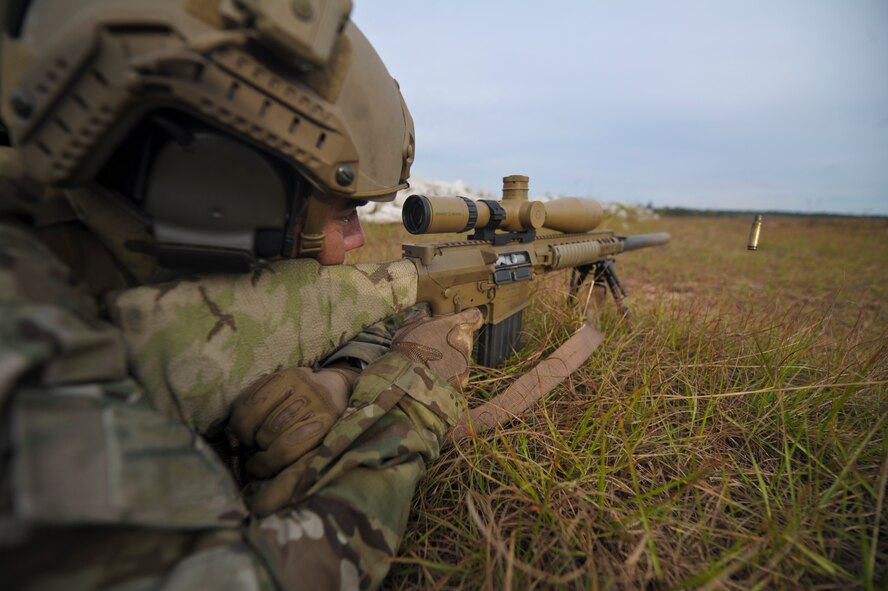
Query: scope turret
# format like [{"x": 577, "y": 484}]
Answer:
[{"x": 515, "y": 213}]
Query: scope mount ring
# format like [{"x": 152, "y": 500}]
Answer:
[{"x": 497, "y": 215}]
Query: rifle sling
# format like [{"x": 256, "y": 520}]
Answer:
[{"x": 532, "y": 386}]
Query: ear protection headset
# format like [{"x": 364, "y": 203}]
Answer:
[{"x": 214, "y": 202}]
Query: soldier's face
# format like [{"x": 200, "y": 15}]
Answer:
[{"x": 342, "y": 232}]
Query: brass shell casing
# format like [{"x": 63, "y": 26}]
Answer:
[{"x": 754, "y": 233}]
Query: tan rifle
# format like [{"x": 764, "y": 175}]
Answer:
[{"x": 495, "y": 268}]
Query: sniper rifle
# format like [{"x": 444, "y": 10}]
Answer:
[{"x": 494, "y": 268}]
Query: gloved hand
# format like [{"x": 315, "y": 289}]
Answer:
[
  {"x": 442, "y": 344},
  {"x": 288, "y": 414}
]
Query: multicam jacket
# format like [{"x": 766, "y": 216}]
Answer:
[{"x": 107, "y": 480}]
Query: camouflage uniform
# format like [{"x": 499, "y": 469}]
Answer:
[{"x": 107, "y": 481}]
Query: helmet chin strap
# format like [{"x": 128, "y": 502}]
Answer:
[
  {"x": 298, "y": 203},
  {"x": 311, "y": 238}
]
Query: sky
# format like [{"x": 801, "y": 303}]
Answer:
[{"x": 728, "y": 104}]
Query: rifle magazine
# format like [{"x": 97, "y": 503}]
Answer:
[{"x": 495, "y": 342}]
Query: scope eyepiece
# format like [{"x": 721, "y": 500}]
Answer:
[
  {"x": 430, "y": 215},
  {"x": 417, "y": 214}
]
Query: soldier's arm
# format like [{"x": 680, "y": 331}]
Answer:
[
  {"x": 348, "y": 503},
  {"x": 339, "y": 512}
]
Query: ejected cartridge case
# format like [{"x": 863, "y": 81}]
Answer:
[{"x": 754, "y": 232}]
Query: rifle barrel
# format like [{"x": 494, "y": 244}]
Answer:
[{"x": 644, "y": 240}]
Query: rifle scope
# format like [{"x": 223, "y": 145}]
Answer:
[{"x": 429, "y": 215}]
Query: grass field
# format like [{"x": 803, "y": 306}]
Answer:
[{"x": 731, "y": 434}]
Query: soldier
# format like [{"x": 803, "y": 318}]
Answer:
[{"x": 179, "y": 188}]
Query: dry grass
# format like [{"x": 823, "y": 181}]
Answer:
[{"x": 733, "y": 434}]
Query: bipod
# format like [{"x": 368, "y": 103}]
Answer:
[{"x": 604, "y": 273}]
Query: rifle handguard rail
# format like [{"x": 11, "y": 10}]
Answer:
[{"x": 566, "y": 256}]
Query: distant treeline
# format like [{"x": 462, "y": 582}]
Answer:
[{"x": 687, "y": 212}]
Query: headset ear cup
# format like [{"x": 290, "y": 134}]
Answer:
[
  {"x": 217, "y": 196},
  {"x": 207, "y": 197}
]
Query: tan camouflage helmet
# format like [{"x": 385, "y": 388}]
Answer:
[{"x": 293, "y": 79}]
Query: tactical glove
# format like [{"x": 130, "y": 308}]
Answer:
[
  {"x": 288, "y": 414},
  {"x": 442, "y": 344}
]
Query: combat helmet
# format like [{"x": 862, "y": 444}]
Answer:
[{"x": 217, "y": 122}]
